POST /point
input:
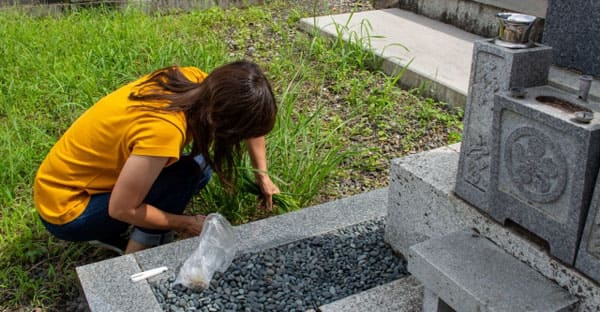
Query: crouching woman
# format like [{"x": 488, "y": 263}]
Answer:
[{"x": 118, "y": 176}]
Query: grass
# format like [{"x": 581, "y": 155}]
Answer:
[{"x": 340, "y": 120}]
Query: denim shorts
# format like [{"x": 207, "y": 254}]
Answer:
[{"x": 171, "y": 192}]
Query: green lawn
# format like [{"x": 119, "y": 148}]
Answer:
[{"x": 336, "y": 113}]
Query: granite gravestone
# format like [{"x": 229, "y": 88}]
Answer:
[
  {"x": 572, "y": 29},
  {"x": 544, "y": 164},
  {"x": 494, "y": 69},
  {"x": 554, "y": 209}
]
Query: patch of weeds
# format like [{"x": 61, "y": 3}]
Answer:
[
  {"x": 428, "y": 116},
  {"x": 300, "y": 144},
  {"x": 340, "y": 119}
]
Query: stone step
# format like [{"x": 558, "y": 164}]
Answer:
[
  {"x": 107, "y": 286},
  {"x": 422, "y": 205},
  {"x": 438, "y": 55},
  {"x": 402, "y": 295},
  {"x": 469, "y": 273}
]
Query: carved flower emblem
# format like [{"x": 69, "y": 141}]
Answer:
[
  {"x": 533, "y": 168},
  {"x": 536, "y": 165}
]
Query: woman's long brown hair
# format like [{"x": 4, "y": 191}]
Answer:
[{"x": 233, "y": 103}]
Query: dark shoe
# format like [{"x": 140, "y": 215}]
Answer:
[{"x": 117, "y": 244}]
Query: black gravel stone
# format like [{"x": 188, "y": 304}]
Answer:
[{"x": 294, "y": 277}]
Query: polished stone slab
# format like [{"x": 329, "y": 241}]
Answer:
[
  {"x": 469, "y": 273},
  {"x": 108, "y": 288}
]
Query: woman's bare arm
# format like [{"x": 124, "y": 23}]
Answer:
[
  {"x": 258, "y": 154},
  {"x": 132, "y": 186}
]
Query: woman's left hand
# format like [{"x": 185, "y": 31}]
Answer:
[
  {"x": 267, "y": 188},
  {"x": 258, "y": 154}
]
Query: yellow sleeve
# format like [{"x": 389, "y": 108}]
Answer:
[{"x": 155, "y": 136}]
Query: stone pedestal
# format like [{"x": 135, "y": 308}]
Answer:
[
  {"x": 469, "y": 273},
  {"x": 494, "y": 69},
  {"x": 422, "y": 205},
  {"x": 588, "y": 257},
  {"x": 544, "y": 164}
]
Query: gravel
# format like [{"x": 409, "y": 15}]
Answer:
[{"x": 295, "y": 277}]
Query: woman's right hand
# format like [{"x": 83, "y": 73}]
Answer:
[{"x": 194, "y": 225}]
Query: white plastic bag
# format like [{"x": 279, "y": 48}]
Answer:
[{"x": 215, "y": 252}]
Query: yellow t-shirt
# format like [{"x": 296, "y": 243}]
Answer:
[{"x": 89, "y": 156}]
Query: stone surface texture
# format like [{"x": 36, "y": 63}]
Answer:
[
  {"x": 588, "y": 257},
  {"x": 543, "y": 167},
  {"x": 402, "y": 295},
  {"x": 433, "y": 303},
  {"x": 297, "y": 276},
  {"x": 571, "y": 29},
  {"x": 471, "y": 274},
  {"x": 107, "y": 287},
  {"x": 422, "y": 205},
  {"x": 474, "y": 16},
  {"x": 494, "y": 69},
  {"x": 532, "y": 7}
]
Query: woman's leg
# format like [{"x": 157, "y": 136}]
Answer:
[
  {"x": 93, "y": 224},
  {"x": 171, "y": 192}
]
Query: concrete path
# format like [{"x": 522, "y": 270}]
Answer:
[{"x": 439, "y": 55}]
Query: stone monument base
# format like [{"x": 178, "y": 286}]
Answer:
[
  {"x": 422, "y": 205},
  {"x": 465, "y": 272}
]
